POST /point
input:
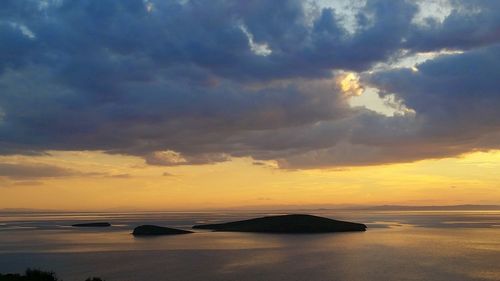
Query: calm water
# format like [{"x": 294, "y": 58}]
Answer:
[{"x": 397, "y": 246}]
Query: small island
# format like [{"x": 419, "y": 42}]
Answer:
[
  {"x": 92, "y": 224},
  {"x": 296, "y": 223},
  {"x": 151, "y": 230}
]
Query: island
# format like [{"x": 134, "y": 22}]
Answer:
[
  {"x": 92, "y": 224},
  {"x": 149, "y": 230},
  {"x": 295, "y": 223}
]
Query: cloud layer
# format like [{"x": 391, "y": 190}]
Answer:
[
  {"x": 193, "y": 82},
  {"x": 34, "y": 171}
]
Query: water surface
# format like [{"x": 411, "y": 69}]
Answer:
[{"x": 399, "y": 245}]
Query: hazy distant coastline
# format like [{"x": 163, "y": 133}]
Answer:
[
  {"x": 464, "y": 207},
  {"x": 432, "y": 208}
]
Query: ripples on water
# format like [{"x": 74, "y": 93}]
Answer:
[{"x": 419, "y": 245}]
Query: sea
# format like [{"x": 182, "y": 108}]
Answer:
[{"x": 398, "y": 245}]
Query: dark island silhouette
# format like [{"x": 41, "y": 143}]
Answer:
[
  {"x": 151, "y": 230},
  {"x": 92, "y": 224},
  {"x": 296, "y": 223}
]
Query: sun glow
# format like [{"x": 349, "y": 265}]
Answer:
[{"x": 349, "y": 84}]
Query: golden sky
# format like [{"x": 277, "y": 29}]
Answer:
[{"x": 99, "y": 181}]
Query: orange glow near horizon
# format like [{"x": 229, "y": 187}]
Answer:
[{"x": 117, "y": 182}]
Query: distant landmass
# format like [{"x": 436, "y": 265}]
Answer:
[
  {"x": 92, "y": 224},
  {"x": 296, "y": 223},
  {"x": 346, "y": 207},
  {"x": 300, "y": 208},
  {"x": 150, "y": 230},
  {"x": 432, "y": 208}
]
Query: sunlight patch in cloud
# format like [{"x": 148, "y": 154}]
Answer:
[
  {"x": 411, "y": 60},
  {"x": 432, "y": 11},
  {"x": 349, "y": 84},
  {"x": 346, "y": 11},
  {"x": 260, "y": 49},
  {"x": 361, "y": 95},
  {"x": 371, "y": 100},
  {"x": 167, "y": 157},
  {"x": 149, "y": 6},
  {"x": 21, "y": 28}
]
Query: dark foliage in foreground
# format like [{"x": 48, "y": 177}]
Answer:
[{"x": 36, "y": 275}]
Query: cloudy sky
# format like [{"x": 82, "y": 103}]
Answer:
[{"x": 194, "y": 104}]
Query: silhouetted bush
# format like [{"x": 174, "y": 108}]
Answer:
[
  {"x": 37, "y": 275},
  {"x": 30, "y": 275}
]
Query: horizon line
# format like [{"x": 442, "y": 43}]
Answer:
[{"x": 290, "y": 207}]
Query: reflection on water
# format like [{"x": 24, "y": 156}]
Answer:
[{"x": 398, "y": 246}]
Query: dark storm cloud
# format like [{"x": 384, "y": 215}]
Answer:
[
  {"x": 179, "y": 82},
  {"x": 459, "y": 93},
  {"x": 456, "y": 100},
  {"x": 93, "y": 45},
  {"x": 470, "y": 24}
]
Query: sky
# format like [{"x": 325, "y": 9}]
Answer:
[{"x": 193, "y": 104}]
